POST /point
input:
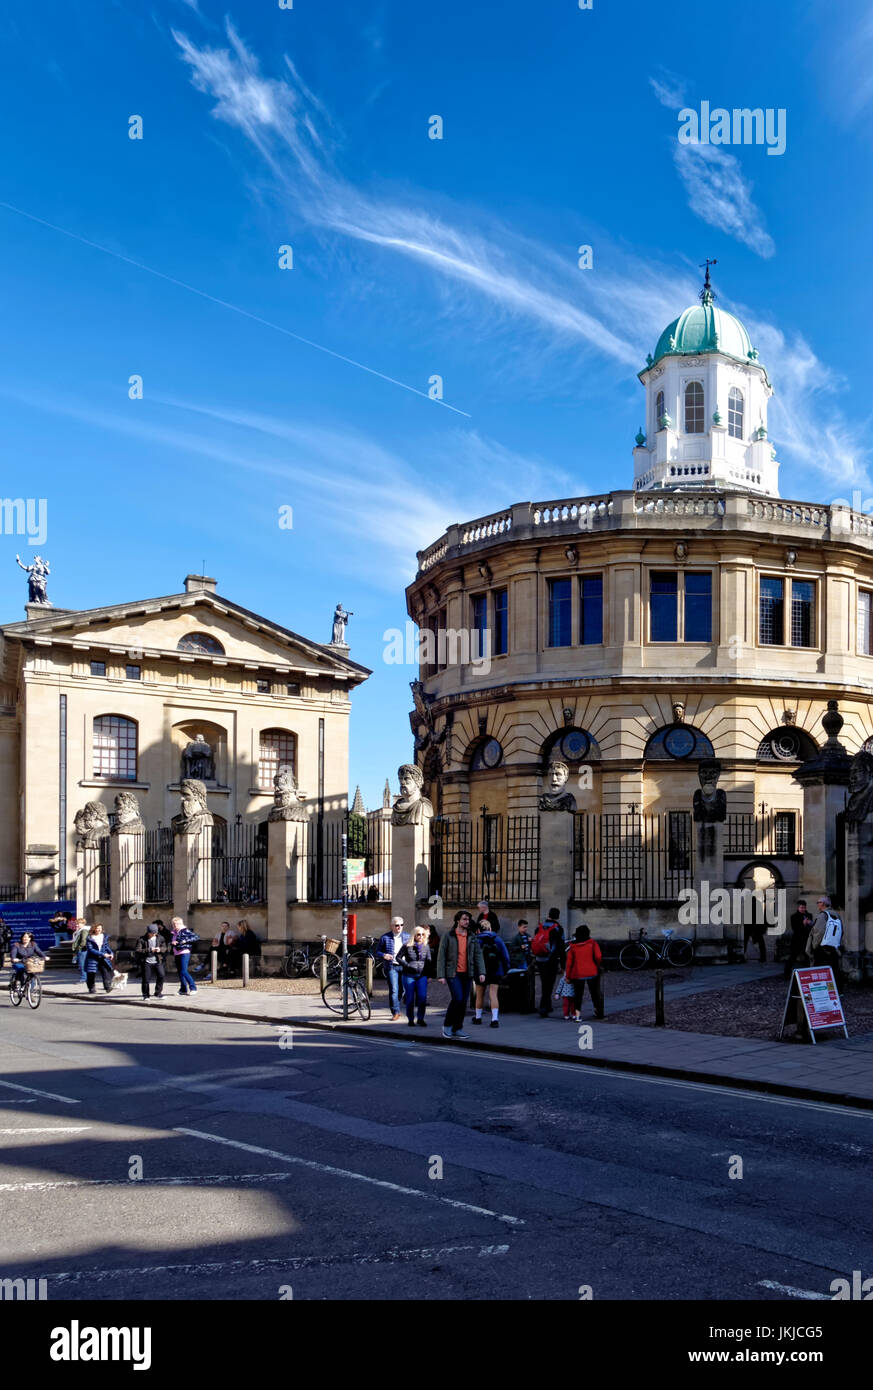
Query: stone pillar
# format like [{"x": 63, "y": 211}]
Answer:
[
  {"x": 857, "y": 914},
  {"x": 410, "y": 871},
  {"x": 185, "y": 854},
  {"x": 286, "y": 873},
  {"x": 556, "y": 864},
  {"x": 824, "y": 778},
  {"x": 708, "y": 877},
  {"x": 80, "y": 881},
  {"x": 126, "y": 881}
]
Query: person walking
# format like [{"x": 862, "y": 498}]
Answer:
[
  {"x": 826, "y": 937},
  {"x": 496, "y": 958},
  {"x": 486, "y": 914},
  {"x": 801, "y": 923},
  {"x": 98, "y": 959},
  {"x": 151, "y": 955},
  {"x": 389, "y": 945},
  {"x": 80, "y": 947},
  {"x": 756, "y": 931},
  {"x": 183, "y": 939},
  {"x": 460, "y": 961},
  {"x": 519, "y": 947},
  {"x": 547, "y": 949},
  {"x": 433, "y": 941},
  {"x": 247, "y": 944},
  {"x": 414, "y": 960},
  {"x": 583, "y": 967}
]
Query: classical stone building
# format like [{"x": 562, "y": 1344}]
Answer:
[
  {"x": 632, "y": 634},
  {"x": 129, "y": 700}
]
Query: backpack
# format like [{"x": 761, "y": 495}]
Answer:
[
  {"x": 833, "y": 933},
  {"x": 490, "y": 953},
  {"x": 542, "y": 943}
]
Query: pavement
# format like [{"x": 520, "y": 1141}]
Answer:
[{"x": 835, "y": 1070}]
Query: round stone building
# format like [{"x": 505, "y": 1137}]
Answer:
[{"x": 628, "y": 636}]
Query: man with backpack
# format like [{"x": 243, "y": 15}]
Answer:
[
  {"x": 547, "y": 949},
  {"x": 826, "y": 937},
  {"x": 496, "y": 959}
]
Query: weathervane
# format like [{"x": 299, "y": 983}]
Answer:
[{"x": 707, "y": 294}]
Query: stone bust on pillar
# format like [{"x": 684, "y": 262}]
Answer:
[
  {"x": 194, "y": 812},
  {"x": 127, "y": 817},
  {"x": 860, "y": 802},
  {"x": 91, "y": 823},
  {"x": 556, "y": 797},
  {"x": 411, "y": 808},
  {"x": 710, "y": 803},
  {"x": 287, "y": 800}
]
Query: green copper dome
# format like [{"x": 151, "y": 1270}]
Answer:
[{"x": 704, "y": 328}]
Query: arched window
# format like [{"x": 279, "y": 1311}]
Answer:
[
  {"x": 659, "y": 409},
  {"x": 487, "y": 754},
  {"x": 676, "y": 742},
  {"x": 114, "y": 748},
  {"x": 736, "y": 410},
  {"x": 572, "y": 745},
  {"x": 201, "y": 643},
  {"x": 278, "y": 748},
  {"x": 786, "y": 745},
  {"x": 694, "y": 408}
]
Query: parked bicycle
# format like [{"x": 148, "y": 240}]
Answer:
[
  {"x": 358, "y": 998},
  {"x": 675, "y": 950},
  {"x": 26, "y": 984}
]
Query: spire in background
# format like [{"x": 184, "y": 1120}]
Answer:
[
  {"x": 707, "y": 294},
  {"x": 358, "y": 807},
  {"x": 386, "y": 796}
]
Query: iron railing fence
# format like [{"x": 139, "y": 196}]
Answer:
[
  {"x": 229, "y": 864},
  {"x": 157, "y": 861},
  {"x": 621, "y": 857},
  {"x": 490, "y": 856},
  {"x": 778, "y": 834}
]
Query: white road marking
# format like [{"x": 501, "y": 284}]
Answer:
[
  {"x": 46, "y": 1095},
  {"x": 792, "y": 1292},
  {"x": 348, "y": 1173},
  {"x": 288, "y": 1262},
  {"x": 47, "y": 1129},
  {"x": 192, "y": 1180}
]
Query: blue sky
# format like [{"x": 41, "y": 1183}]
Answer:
[{"x": 412, "y": 257}]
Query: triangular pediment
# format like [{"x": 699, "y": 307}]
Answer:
[{"x": 156, "y": 626}]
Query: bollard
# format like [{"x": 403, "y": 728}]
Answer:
[
  {"x": 370, "y": 964},
  {"x": 245, "y": 969},
  {"x": 214, "y": 965},
  {"x": 659, "y": 999},
  {"x": 322, "y": 970}
]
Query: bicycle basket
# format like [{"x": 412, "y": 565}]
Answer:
[
  {"x": 34, "y": 966},
  {"x": 332, "y": 944}
]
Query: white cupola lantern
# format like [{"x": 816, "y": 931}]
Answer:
[{"x": 706, "y": 407}]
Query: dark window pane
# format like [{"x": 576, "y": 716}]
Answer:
[
  {"x": 200, "y": 642},
  {"x": 480, "y": 623},
  {"x": 98, "y": 668},
  {"x": 262, "y": 687},
  {"x": 560, "y": 605},
  {"x": 785, "y": 832},
  {"x": 771, "y": 620},
  {"x": 501, "y": 622},
  {"x": 591, "y": 609},
  {"x": 664, "y": 608},
  {"x": 698, "y": 608},
  {"x": 802, "y": 613},
  {"x": 132, "y": 673}
]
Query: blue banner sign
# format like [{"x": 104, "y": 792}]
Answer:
[{"x": 34, "y": 917}]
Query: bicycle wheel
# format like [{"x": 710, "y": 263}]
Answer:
[
  {"x": 295, "y": 964},
  {"x": 332, "y": 995},
  {"x": 634, "y": 956},
  {"x": 679, "y": 951},
  {"x": 15, "y": 993},
  {"x": 334, "y": 965},
  {"x": 33, "y": 990},
  {"x": 362, "y": 999}
]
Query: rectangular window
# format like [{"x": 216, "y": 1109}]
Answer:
[
  {"x": 133, "y": 673},
  {"x": 771, "y": 621},
  {"x": 865, "y": 613},
  {"x": 293, "y": 687},
  {"x": 262, "y": 687},
  {"x": 664, "y": 606},
  {"x": 591, "y": 609},
  {"x": 785, "y": 832},
  {"x": 698, "y": 607},
  {"x": 438, "y": 640},
  {"x": 560, "y": 610},
  {"x": 802, "y": 613},
  {"x": 480, "y": 624},
  {"x": 98, "y": 668},
  {"x": 500, "y": 645}
]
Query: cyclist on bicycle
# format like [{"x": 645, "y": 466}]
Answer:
[{"x": 23, "y": 951}]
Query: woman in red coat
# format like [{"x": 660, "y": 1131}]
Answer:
[{"x": 583, "y": 964}]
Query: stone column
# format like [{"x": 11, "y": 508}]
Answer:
[
  {"x": 824, "y": 778},
  {"x": 708, "y": 877},
  {"x": 286, "y": 873},
  {"x": 556, "y": 863},
  {"x": 126, "y": 880},
  {"x": 410, "y": 870},
  {"x": 857, "y": 913},
  {"x": 185, "y": 851}
]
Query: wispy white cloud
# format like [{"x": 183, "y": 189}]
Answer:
[
  {"x": 719, "y": 194},
  {"x": 669, "y": 89}
]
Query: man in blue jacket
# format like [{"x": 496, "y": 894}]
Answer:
[
  {"x": 496, "y": 959},
  {"x": 389, "y": 946}
]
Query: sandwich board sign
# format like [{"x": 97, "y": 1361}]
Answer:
[{"x": 814, "y": 990}]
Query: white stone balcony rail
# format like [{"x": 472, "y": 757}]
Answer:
[{"x": 707, "y": 509}]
